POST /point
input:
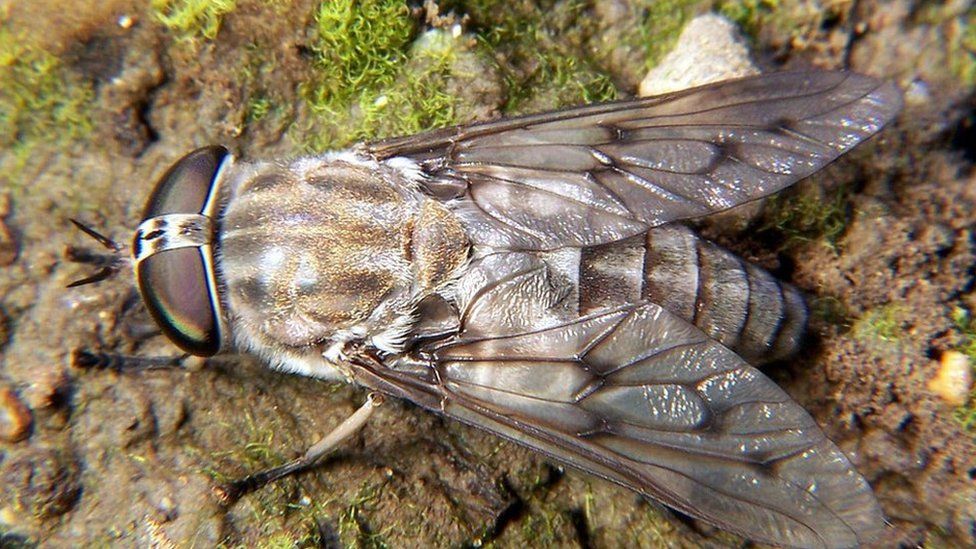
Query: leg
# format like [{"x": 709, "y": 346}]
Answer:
[
  {"x": 230, "y": 492},
  {"x": 88, "y": 360}
]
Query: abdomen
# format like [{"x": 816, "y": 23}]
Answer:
[{"x": 734, "y": 302}]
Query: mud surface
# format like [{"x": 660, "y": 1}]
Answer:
[{"x": 130, "y": 459}]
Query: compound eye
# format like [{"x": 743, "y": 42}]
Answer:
[
  {"x": 173, "y": 250},
  {"x": 186, "y": 185},
  {"x": 174, "y": 287}
]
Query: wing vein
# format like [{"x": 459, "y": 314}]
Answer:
[{"x": 648, "y": 355}]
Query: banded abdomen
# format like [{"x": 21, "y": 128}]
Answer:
[{"x": 740, "y": 305}]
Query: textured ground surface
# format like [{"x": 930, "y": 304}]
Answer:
[{"x": 98, "y": 98}]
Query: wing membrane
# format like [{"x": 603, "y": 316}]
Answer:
[
  {"x": 599, "y": 173},
  {"x": 639, "y": 396}
]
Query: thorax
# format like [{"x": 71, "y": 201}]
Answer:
[{"x": 334, "y": 244}]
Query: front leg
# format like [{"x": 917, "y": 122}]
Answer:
[
  {"x": 335, "y": 353},
  {"x": 340, "y": 350},
  {"x": 96, "y": 360},
  {"x": 348, "y": 348},
  {"x": 232, "y": 491},
  {"x": 360, "y": 363}
]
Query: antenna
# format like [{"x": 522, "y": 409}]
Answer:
[{"x": 109, "y": 263}]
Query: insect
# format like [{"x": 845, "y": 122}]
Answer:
[{"x": 528, "y": 276}]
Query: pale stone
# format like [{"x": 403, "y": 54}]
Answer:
[
  {"x": 954, "y": 380},
  {"x": 710, "y": 49},
  {"x": 15, "y": 417}
]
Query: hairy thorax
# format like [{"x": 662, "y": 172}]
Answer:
[{"x": 332, "y": 248}]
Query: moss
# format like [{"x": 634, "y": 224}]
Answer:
[
  {"x": 192, "y": 20},
  {"x": 882, "y": 324},
  {"x": 282, "y": 522},
  {"x": 961, "y": 47},
  {"x": 40, "y": 100},
  {"x": 793, "y": 23},
  {"x": 358, "y": 48},
  {"x": 539, "y": 48},
  {"x": 966, "y": 414},
  {"x": 281, "y": 541},
  {"x": 561, "y": 80},
  {"x": 257, "y": 453},
  {"x": 352, "y": 528},
  {"x": 830, "y": 310},
  {"x": 263, "y": 102},
  {"x": 541, "y": 527},
  {"x": 661, "y": 26},
  {"x": 257, "y": 107},
  {"x": 806, "y": 214},
  {"x": 371, "y": 82},
  {"x": 420, "y": 98},
  {"x": 301, "y": 529},
  {"x": 965, "y": 324},
  {"x": 750, "y": 15}
]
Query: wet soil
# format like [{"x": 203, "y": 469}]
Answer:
[{"x": 131, "y": 458}]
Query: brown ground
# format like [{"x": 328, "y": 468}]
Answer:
[{"x": 130, "y": 459}]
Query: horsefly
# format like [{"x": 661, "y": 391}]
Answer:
[{"x": 529, "y": 276}]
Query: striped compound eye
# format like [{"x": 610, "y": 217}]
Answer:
[{"x": 173, "y": 249}]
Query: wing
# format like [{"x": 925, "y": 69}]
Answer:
[
  {"x": 639, "y": 396},
  {"x": 599, "y": 173}
]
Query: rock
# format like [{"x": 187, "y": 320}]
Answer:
[
  {"x": 8, "y": 246},
  {"x": 954, "y": 379},
  {"x": 124, "y": 97},
  {"x": 709, "y": 49},
  {"x": 47, "y": 387},
  {"x": 38, "y": 483},
  {"x": 918, "y": 94},
  {"x": 4, "y": 329},
  {"x": 15, "y": 417}
]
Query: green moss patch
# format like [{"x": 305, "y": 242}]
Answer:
[
  {"x": 966, "y": 414},
  {"x": 285, "y": 518},
  {"x": 40, "y": 101},
  {"x": 882, "y": 324},
  {"x": 192, "y": 20},
  {"x": 808, "y": 213},
  {"x": 358, "y": 50},
  {"x": 421, "y": 96},
  {"x": 662, "y": 24},
  {"x": 783, "y": 23},
  {"x": 353, "y": 530},
  {"x": 965, "y": 324},
  {"x": 539, "y": 48},
  {"x": 961, "y": 44},
  {"x": 830, "y": 310},
  {"x": 750, "y": 15},
  {"x": 358, "y": 47}
]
